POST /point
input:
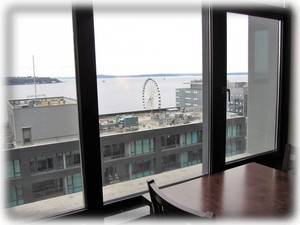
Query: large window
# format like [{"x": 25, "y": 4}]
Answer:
[
  {"x": 145, "y": 59},
  {"x": 147, "y": 108},
  {"x": 42, "y": 135}
]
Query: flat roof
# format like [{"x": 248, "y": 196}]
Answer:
[
  {"x": 148, "y": 120},
  {"x": 41, "y": 102}
]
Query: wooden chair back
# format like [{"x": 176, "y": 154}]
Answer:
[
  {"x": 287, "y": 163},
  {"x": 163, "y": 206}
]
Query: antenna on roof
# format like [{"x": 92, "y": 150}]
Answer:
[
  {"x": 33, "y": 67},
  {"x": 34, "y": 81}
]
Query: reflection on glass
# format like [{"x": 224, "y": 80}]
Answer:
[
  {"x": 252, "y": 77},
  {"x": 150, "y": 98}
]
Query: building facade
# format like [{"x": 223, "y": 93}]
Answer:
[
  {"x": 31, "y": 121},
  {"x": 237, "y": 103},
  {"x": 190, "y": 97},
  {"x": 40, "y": 170}
]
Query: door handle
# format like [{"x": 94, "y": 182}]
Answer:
[{"x": 226, "y": 90}]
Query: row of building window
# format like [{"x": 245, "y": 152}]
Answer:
[
  {"x": 42, "y": 190},
  {"x": 187, "y": 91},
  {"x": 145, "y": 146},
  {"x": 144, "y": 168},
  {"x": 72, "y": 184},
  {"x": 44, "y": 163},
  {"x": 48, "y": 162}
]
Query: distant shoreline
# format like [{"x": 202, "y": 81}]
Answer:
[
  {"x": 48, "y": 80},
  {"x": 31, "y": 80}
]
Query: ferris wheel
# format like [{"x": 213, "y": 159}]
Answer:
[{"x": 151, "y": 95}]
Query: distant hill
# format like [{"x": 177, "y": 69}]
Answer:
[{"x": 30, "y": 80}]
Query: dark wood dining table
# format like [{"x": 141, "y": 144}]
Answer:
[{"x": 250, "y": 190}]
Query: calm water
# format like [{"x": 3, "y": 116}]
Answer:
[{"x": 114, "y": 94}]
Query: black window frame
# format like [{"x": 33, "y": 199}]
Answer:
[
  {"x": 214, "y": 121},
  {"x": 215, "y": 67}
]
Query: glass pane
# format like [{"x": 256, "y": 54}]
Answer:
[
  {"x": 132, "y": 147},
  {"x": 10, "y": 169},
  {"x": 42, "y": 118},
  {"x": 194, "y": 137},
  {"x": 188, "y": 138},
  {"x": 252, "y": 78},
  {"x": 146, "y": 146},
  {"x": 138, "y": 147},
  {"x": 149, "y": 76},
  {"x": 17, "y": 168}
]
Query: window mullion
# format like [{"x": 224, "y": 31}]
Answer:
[
  {"x": 214, "y": 79},
  {"x": 218, "y": 59},
  {"x": 86, "y": 82}
]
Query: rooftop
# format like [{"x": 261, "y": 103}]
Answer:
[
  {"x": 119, "y": 123},
  {"x": 41, "y": 102},
  {"x": 147, "y": 120}
]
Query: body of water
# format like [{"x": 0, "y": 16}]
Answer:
[{"x": 115, "y": 95}]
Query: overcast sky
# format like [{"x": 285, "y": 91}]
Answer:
[{"x": 126, "y": 43}]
